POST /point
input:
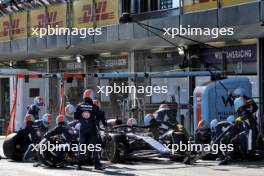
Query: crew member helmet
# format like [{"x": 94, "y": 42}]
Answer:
[
  {"x": 213, "y": 124},
  {"x": 203, "y": 124},
  {"x": 89, "y": 93},
  {"x": 231, "y": 119},
  {"x": 148, "y": 118},
  {"x": 78, "y": 126},
  {"x": 238, "y": 103},
  {"x": 46, "y": 118},
  {"x": 69, "y": 110},
  {"x": 28, "y": 118},
  {"x": 38, "y": 101},
  {"x": 59, "y": 119},
  {"x": 239, "y": 92}
]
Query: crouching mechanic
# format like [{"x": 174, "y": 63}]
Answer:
[
  {"x": 86, "y": 112},
  {"x": 34, "y": 109},
  {"x": 35, "y": 130},
  {"x": 63, "y": 129},
  {"x": 246, "y": 126},
  {"x": 250, "y": 103},
  {"x": 43, "y": 123}
]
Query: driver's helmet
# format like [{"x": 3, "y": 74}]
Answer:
[
  {"x": 132, "y": 122},
  {"x": 69, "y": 110},
  {"x": 239, "y": 92},
  {"x": 213, "y": 124},
  {"x": 38, "y": 101},
  {"x": 231, "y": 119},
  {"x": 46, "y": 119},
  {"x": 111, "y": 122},
  {"x": 147, "y": 119},
  {"x": 238, "y": 103}
]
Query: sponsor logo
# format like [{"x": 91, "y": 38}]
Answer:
[
  {"x": 228, "y": 100},
  {"x": 5, "y": 31},
  {"x": 86, "y": 115},
  {"x": 101, "y": 12}
]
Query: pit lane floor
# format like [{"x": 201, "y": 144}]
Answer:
[{"x": 146, "y": 167}]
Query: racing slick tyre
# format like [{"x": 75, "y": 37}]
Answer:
[
  {"x": 115, "y": 149},
  {"x": 51, "y": 158},
  {"x": 112, "y": 150},
  {"x": 177, "y": 139},
  {"x": 15, "y": 145}
]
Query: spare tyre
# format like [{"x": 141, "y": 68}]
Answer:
[
  {"x": 15, "y": 145},
  {"x": 54, "y": 158}
]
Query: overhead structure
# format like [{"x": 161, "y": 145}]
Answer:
[{"x": 166, "y": 74}]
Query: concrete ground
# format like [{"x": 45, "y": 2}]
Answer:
[{"x": 146, "y": 167}]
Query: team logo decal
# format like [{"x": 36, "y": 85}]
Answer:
[{"x": 86, "y": 115}]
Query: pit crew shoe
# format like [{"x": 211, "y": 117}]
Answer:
[{"x": 226, "y": 161}]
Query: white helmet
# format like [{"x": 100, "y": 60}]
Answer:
[
  {"x": 239, "y": 92},
  {"x": 238, "y": 103},
  {"x": 78, "y": 126},
  {"x": 131, "y": 122},
  {"x": 231, "y": 119},
  {"x": 46, "y": 119},
  {"x": 213, "y": 124}
]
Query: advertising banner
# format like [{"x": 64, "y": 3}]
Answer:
[
  {"x": 56, "y": 16},
  {"x": 19, "y": 25},
  {"x": 197, "y": 5},
  {"x": 106, "y": 13},
  {"x": 82, "y": 13},
  {"x": 37, "y": 18},
  {"x": 243, "y": 53},
  {"x": 4, "y": 28},
  {"x": 225, "y": 3}
]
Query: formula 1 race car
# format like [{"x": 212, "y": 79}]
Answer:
[
  {"x": 172, "y": 136},
  {"x": 170, "y": 133},
  {"x": 124, "y": 141}
]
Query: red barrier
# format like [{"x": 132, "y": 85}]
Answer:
[
  {"x": 62, "y": 99},
  {"x": 11, "y": 124}
]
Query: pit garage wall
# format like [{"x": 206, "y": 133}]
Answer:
[
  {"x": 261, "y": 80},
  {"x": 261, "y": 70},
  {"x": 25, "y": 96}
]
